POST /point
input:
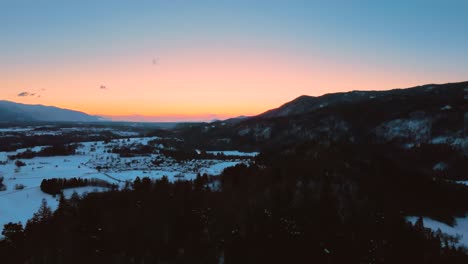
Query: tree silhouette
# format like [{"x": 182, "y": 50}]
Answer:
[
  {"x": 13, "y": 232},
  {"x": 44, "y": 213}
]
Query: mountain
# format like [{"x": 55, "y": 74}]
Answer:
[
  {"x": 16, "y": 112},
  {"x": 305, "y": 104},
  {"x": 434, "y": 113}
]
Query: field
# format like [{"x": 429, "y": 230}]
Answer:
[{"x": 22, "y": 195}]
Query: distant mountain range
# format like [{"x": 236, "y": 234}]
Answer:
[{"x": 16, "y": 112}]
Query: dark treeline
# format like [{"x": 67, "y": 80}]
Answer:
[
  {"x": 55, "y": 150},
  {"x": 11, "y": 141},
  {"x": 306, "y": 203},
  {"x": 454, "y": 164},
  {"x": 134, "y": 151},
  {"x": 190, "y": 154},
  {"x": 56, "y": 186},
  {"x": 16, "y": 140},
  {"x": 2, "y": 186},
  {"x": 182, "y": 150}
]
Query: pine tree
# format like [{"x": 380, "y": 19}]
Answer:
[
  {"x": 74, "y": 199},
  {"x": 44, "y": 213},
  {"x": 64, "y": 206},
  {"x": 419, "y": 225},
  {"x": 13, "y": 232}
]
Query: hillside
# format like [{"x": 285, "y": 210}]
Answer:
[
  {"x": 16, "y": 112},
  {"x": 423, "y": 114}
]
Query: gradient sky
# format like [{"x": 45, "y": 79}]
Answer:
[{"x": 221, "y": 58}]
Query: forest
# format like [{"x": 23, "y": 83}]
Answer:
[{"x": 304, "y": 203}]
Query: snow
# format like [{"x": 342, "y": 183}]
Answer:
[
  {"x": 458, "y": 142},
  {"x": 217, "y": 169},
  {"x": 440, "y": 140},
  {"x": 416, "y": 129},
  {"x": 460, "y": 228},
  {"x": 20, "y": 205},
  {"x": 56, "y": 131},
  {"x": 447, "y": 107},
  {"x": 15, "y": 129},
  {"x": 153, "y": 174},
  {"x": 234, "y": 153},
  {"x": 441, "y": 166},
  {"x": 462, "y": 182},
  {"x": 83, "y": 191}
]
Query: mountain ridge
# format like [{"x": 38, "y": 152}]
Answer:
[
  {"x": 307, "y": 103},
  {"x": 432, "y": 114},
  {"x": 19, "y": 112}
]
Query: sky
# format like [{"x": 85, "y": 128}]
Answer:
[{"x": 199, "y": 60}]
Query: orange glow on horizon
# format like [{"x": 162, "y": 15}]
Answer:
[{"x": 194, "y": 83}]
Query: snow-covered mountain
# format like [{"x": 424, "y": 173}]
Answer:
[
  {"x": 411, "y": 96},
  {"x": 433, "y": 113},
  {"x": 16, "y": 112}
]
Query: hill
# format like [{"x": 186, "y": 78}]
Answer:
[{"x": 16, "y": 112}]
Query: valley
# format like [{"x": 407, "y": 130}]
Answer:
[{"x": 21, "y": 195}]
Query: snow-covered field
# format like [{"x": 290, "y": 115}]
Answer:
[
  {"x": 234, "y": 153},
  {"x": 459, "y": 229},
  {"x": 93, "y": 160},
  {"x": 40, "y": 131}
]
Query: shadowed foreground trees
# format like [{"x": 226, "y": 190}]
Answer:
[{"x": 302, "y": 204}]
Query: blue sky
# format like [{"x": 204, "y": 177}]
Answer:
[{"x": 389, "y": 43}]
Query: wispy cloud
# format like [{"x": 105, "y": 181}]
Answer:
[
  {"x": 26, "y": 94},
  {"x": 37, "y": 93}
]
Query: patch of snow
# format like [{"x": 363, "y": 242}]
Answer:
[
  {"x": 408, "y": 145},
  {"x": 459, "y": 229},
  {"x": 83, "y": 191},
  {"x": 218, "y": 168},
  {"x": 20, "y": 206},
  {"x": 440, "y": 140},
  {"x": 441, "y": 166},
  {"x": 429, "y": 88},
  {"x": 15, "y": 129},
  {"x": 447, "y": 107},
  {"x": 415, "y": 129},
  {"x": 244, "y": 132},
  {"x": 234, "y": 153},
  {"x": 322, "y": 105}
]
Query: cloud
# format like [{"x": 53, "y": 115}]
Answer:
[
  {"x": 26, "y": 94},
  {"x": 37, "y": 94}
]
